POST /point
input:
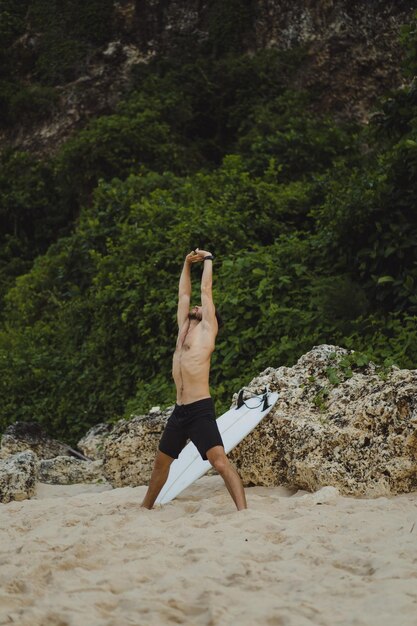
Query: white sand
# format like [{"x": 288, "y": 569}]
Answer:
[{"x": 290, "y": 560}]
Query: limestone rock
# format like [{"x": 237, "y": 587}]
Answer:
[
  {"x": 18, "y": 476},
  {"x": 347, "y": 427},
  {"x": 65, "y": 470},
  {"x": 92, "y": 444},
  {"x": 30, "y": 435},
  {"x": 359, "y": 436},
  {"x": 129, "y": 450}
]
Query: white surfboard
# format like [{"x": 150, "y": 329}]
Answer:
[{"x": 234, "y": 425}]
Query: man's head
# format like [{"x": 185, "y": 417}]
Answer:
[{"x": 196, "y": 313}]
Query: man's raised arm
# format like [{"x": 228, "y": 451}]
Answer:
[
  {"x": 184, "y": 288},
  {"x": 209, "y": 310}
]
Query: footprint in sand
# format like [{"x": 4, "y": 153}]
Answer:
[
  {"x": 355, "y": 567},
  {"x": 53, "y": 619},
  {"x": 192, "y": 507},
  {"x": 276, "y": 621},
  {"x": 177, "y": 611},
  {"x": 72, "y": 522},
  {"x": 275, "y": 537},
  {"x": 16, "y": 586}
]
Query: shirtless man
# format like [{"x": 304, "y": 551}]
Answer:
[{"x": 193, "y": 416}]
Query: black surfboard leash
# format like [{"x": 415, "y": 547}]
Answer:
[{"x": 262, "y": 400}]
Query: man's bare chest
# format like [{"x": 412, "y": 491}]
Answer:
[
  {"x": 188, "y": 343},
  {"x": 193, "y": 342}
]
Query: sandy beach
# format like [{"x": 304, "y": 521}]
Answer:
[{"x": 86, "y": 555}]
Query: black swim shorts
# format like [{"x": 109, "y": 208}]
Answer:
[{"x": 195, "y": 421}]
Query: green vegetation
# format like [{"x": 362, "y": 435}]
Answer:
[
  {"x": 70, "y": 30},
  {"x": 229, "y": 25},
  {"x": 61, "y": 37},
  {"x": 312, "y": 223}
]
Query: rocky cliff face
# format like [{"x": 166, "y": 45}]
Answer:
[
  {"x": 352, "y": 48},
  {"x": 352, "y": 54}
]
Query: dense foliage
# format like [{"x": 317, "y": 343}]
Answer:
[
  {"x": 312, "y": 223},
  {"x": 63, "y": 34}
]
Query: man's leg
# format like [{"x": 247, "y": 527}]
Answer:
[
  {"x": 158, "y": 479},
  {"x": 221, "y": 463}
]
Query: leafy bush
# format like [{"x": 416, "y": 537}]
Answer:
[
  {"x": 282, "y": 131},
  {"x": 12, "y": 22},
  {"x": 116, "y": 145},
  {"x": 409, "y": 40},
  {"x": 230, "y": 26},
  {"x": 215, "y": 98},
  {"x": 368, "y": 226},
  {"x": 31, "y": 214},
  {"x": 69, "y": 31},
  {"x": 21, "y": 104}
]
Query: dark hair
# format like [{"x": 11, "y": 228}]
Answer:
[{"x": 219, "y": 319}]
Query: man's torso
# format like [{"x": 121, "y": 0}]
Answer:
[{"x": 191, "y": 362}]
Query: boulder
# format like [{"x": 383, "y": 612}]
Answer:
[
  {"x": 22, "y": 436},
  {"x": 18, "y": 475},
  {"x": 66, "y": 470},
  {"x": 353, "y": 428},
  {"x": 92, "y": 444},
  {"x": 130, "y": 448}
]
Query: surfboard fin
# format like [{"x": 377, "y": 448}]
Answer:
[
  {"x": 265, "y": 404},
  {"x": 240, "y": 400}
]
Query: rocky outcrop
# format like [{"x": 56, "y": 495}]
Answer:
[
  {"x": 336, "y": 423},
  {"x": 30, "y": 455},
  {"x": 129, "y": 450},
  {"x": 352, "y": 54},
  {"x": 65, "y": 470},
  {"x": 92, "y": 444},
  {"x": 22, "y": 436},
  {"x": 18, "y": 475},
  {"x": 354, "y": 428}
]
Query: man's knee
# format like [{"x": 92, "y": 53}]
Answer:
[
  {"x": 218, "y": 459},
  {"x": 162, "y": 461}
]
